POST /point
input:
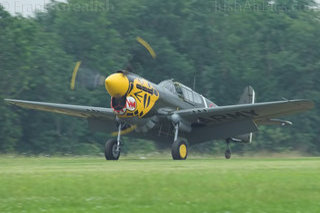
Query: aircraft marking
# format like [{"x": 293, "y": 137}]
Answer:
[
  {"x": 144, "y": 100},
  {"x": 148, "y": 101},
  {"x": 145, "y": 89},
  {"x": 131, "y": 104},
  {"x": 131, "y": 87},
  {"x": 136, "y": 94},
  {"x": 141, "y": 89}
]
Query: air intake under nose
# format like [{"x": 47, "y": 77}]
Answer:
[{"x": 118, "y": 103}]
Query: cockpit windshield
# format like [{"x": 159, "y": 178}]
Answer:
[
  {"x": 169, "y": 85},
  {"x": 182, "y": 91}
]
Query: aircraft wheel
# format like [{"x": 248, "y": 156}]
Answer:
[
  {"x": 179, "y": 150},
  {"x": 227, "y": 154},
  {"x": 110, "y": 151}
]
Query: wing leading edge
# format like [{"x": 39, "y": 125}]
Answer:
[
  {"x": 72, "y": 110},
  {"x": 259, "y": 112}
]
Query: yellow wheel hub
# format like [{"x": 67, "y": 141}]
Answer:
[{"x": 183, "y": 151}]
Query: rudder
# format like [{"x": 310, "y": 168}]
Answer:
[{"x": 248, "y": 97}]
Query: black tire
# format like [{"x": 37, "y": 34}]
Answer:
[
  {"x": 110, "y": 150},
  {"x": 179, "y": 150},
  {"x": 227, "y": 154}
]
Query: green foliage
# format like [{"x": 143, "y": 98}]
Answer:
[
  {"x": 139, "y": 146},
  {"x": 273, "y": 47}
]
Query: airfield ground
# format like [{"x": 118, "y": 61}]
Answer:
[{"x": 89, "y": 184}]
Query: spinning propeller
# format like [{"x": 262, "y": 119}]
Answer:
[
  {"x": 117, "y": 84},
  {"x": 91, "y": 79}
]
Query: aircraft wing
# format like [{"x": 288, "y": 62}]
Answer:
[
  {"x": 260, "y": 113},
  {"x": 72, "y": 110}
]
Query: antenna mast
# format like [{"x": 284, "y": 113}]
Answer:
[{"x": 194, "y": 80}]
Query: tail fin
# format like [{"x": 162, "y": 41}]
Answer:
[{"x": 248, "y": 97}]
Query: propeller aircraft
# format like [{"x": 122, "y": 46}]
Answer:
[{"x": 172, "y": 113}]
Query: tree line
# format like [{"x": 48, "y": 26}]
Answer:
[{"x": 273, "y": 46}]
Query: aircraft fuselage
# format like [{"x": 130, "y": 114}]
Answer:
[{"x": 135, "y": 97}]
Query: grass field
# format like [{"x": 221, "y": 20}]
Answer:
[{"x": 159, "y": 185}]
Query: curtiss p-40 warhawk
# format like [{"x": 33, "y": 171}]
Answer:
[{"x": 170, "y": 112}]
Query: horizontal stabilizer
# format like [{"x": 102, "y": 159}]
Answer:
[{"x": 246, "y": 138}]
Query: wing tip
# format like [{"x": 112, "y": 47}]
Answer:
[
  {"x": 9, "y": 100},
  {"x": 13, "y": 101},
  {"x": 307, "y": 104},
  {"x": 303, "y": 104}
]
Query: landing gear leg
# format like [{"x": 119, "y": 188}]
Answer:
[
  {"x": 176, "y": 131},
  {"x": 112, "y": 147},
  {"x": 118, "y": 139},
  {"x": 227, "y": 154},
  {"x": 179, "y": 149}
]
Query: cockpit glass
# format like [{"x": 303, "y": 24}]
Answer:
[
  {"x": 182, "y": 91},
  {"x": 168, "y": 84}
]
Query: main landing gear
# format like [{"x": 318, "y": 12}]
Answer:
[
  {"x": 179, "y": 149},
  {"x": 112, "y": 147}
]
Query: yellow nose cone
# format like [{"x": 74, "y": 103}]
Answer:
[{"x": 117, "y": 85}]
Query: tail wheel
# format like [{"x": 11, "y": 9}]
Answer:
[
  {"x": 110, "y": 151},
  {"x": 227, "y": 154},
  {"x": 179, "y": 150}
]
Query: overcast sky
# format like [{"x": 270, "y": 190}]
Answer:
[{"x": 28, "y": 7}]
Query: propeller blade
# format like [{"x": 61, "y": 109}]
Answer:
[
  {"x": 74, "y": 75},
  {"x": 147, "y": 46}
]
